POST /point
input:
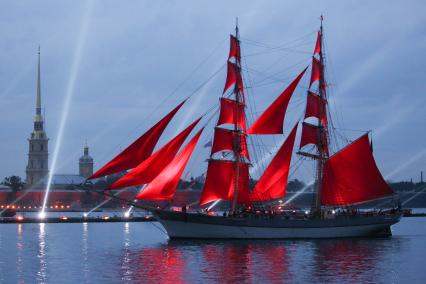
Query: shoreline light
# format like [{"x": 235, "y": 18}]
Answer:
[{"x": 42, "y": 215}]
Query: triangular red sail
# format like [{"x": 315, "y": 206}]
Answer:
[
  {"x": 164, "y": 185},
  {"x": 231, "y": 112},
  {"x": 233, "y": 77},
  {"x": 351, "y": 176},
  {"x": 146, "y": 171},
  {"x": 310, "y": 135},
  {"x": 220, "y": 182},
  {"x": 315, "y": 106},
  {"x": 317, "y": 49},
  {"x": 139, "y": 150},
  {"x": 272, "y": 119},
  {"x": 224, "y": 139},
  {"x": 316, "y": 71},
  {"x": 234, "y": 50},
  {"x": 272, "y": 184}
]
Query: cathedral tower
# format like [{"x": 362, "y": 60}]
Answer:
[
  {"x": 37, "y": 167},
  {"x": 85, "y": 163}
]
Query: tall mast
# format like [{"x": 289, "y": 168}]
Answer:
[
  {"x": 321, "y": 127},
  {"x": 237, "y": 142},
  {"x": 228, "y": 179}
]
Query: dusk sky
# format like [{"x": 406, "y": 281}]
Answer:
[{"x": 122, "y": 65}]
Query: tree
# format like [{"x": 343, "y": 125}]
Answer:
[
  {"x": 295, "y": 185},
  {"x": 14, "y": 182}
]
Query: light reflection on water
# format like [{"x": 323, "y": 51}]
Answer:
[
  {"x": 19, "y": 252},
  {"x": 125, "y": 266},
  {"x": 85, "y": 251},
  {"x": 41, "y": 273},
  {"x": 140, "y": 253}
]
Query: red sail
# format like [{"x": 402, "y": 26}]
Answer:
[
  {"x": 272, "y": 184},
  {"x": 310, "y": 135},
  {"x": 315, "y": 106},
  {"x": 351, "y": 176},
  {"x": 318, "y": 44},
  {"x": 224, "y": 139},
  {"x": 272, "y": 119},
  {"x": 234, "y": 50},
  {"x": 233, "y": 77},
  {"x": 243, "y": 184},
  {"x": 220, "y": 182},
  {"x": 164, "y": 185},
  {"x": 139, "y": 150},
  {"x": 231, "y": 112},
  {"x": 316, "y": 70},
  {"x": 146, "y": 171}
]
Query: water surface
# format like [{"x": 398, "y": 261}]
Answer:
[{"x": 141, "y": 253}]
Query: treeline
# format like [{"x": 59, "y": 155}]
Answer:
[{"x": 407, "y": 186}]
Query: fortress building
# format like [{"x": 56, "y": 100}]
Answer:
[
  {"x": 37, "y": 167},
  {"x": 64, "y": 192}
]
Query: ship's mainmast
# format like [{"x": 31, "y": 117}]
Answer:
[
  {"x": 237, "y": 142},
  {"x": 316, "y": 107}
]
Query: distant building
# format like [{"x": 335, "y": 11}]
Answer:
[
  {"x": 85, "y": 164},
  {"x": 64, "y": 188},
  {"x": 37, "y": 167},
  {"x": 62, "y": 181}
]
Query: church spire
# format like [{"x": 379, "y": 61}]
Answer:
[
  {"x": 37, "y": 167},
  {"x": 38, "y": 102},
  {"x": 38, "y": 120}
]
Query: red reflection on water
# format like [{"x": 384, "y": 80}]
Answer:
[
  {"x": 160, "y": 265},
  {"x": 246, "y": 262},
  {"x": 346, "y": 258},
  {"x": 225, "y": 263},
  {"x": 276, "y": 257},
  {"x": 221, "y": 262}
]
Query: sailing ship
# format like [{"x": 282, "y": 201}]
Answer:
[{"x": 343, "y": 179}]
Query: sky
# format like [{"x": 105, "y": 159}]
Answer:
[{"x": 111, "y": 69}]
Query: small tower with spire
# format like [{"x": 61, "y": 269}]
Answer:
[
  {"x": 85, "y": 163},
  {"x": 37, "y": 167}
]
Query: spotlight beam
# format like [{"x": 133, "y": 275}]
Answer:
[
  {"x": 104, "y": 202},
  {"x": 213, "y": 205},
  {"x": 66, "y": 106},
  {"x": 414, "y": 196},
  {"x": 299, "y": 192},
  {"x": 407, "y": 163}
]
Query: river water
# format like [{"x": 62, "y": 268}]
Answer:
[{"x": 141, "y": 253}]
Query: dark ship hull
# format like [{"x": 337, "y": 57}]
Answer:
[{"x": 279, "y": 226}]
